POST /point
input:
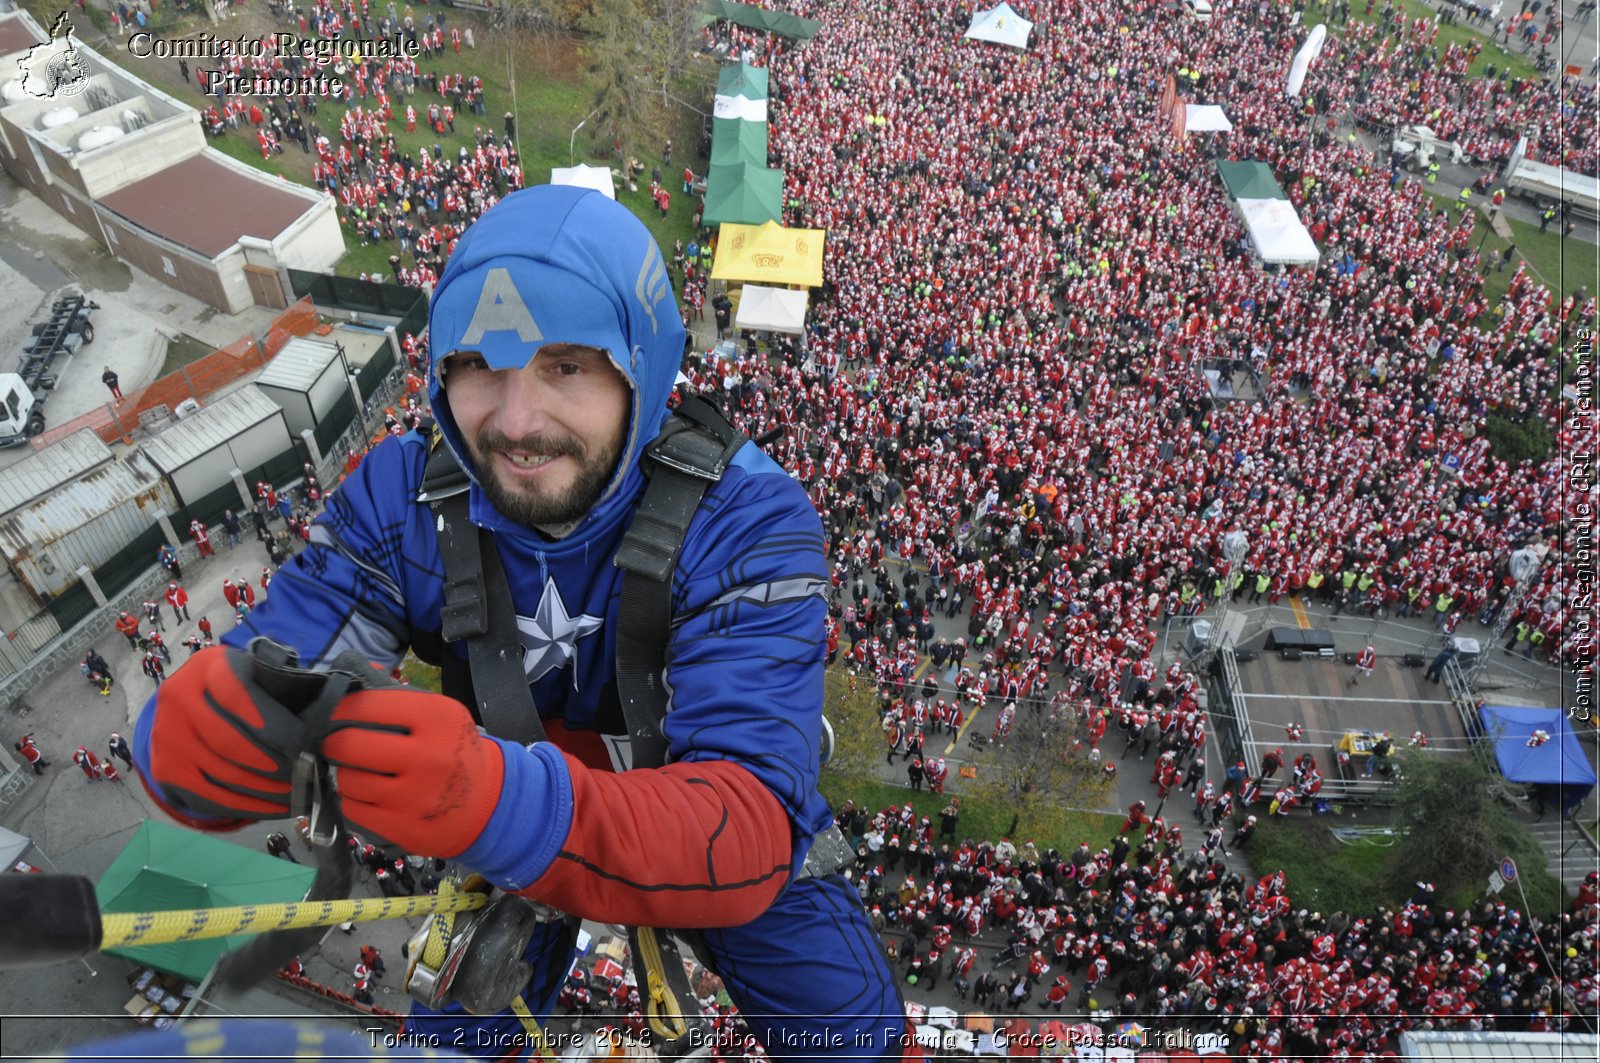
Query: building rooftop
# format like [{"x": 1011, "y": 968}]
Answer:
[
  {"x": 46, "y": 470},
  {"x": 206, "y": 205},
  {"x": 210, "y": 428}
]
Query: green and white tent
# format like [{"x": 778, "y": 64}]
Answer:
[
  {"x": 1249, "y": 180},
  {"x": 756, "y": 18},
  {"x": 743, "y": 193},
  {"x": 165, "y": 868}
]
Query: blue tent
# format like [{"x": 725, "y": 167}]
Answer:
[{"x": 1559, "y": 762}]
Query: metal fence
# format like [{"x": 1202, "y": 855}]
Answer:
[
  {"x": 198, "y": 380},
  {"x": 408, "y": 305},
  {"x": 370, "y": 377},
  {"x": 336, "y": 422}
]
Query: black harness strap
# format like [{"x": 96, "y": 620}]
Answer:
[
  {"x": 691, "y": 453},
  {"x": 478, "y": 606}
]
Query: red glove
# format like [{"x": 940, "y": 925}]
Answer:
[
  {"x": 413, "y": 769},
  {"x": 220, "y": 744}
]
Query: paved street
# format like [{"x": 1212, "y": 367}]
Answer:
[{"x": 79, "y": 827}]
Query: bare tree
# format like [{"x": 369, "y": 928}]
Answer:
[
  {"x": 673, "y": 40},
  {"x": 1036, "y": 769},
  {"x": 540, "y": 16}
]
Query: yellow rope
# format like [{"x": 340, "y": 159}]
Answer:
[
  {"x": 536, "y": 1038},
  {"x": 129, "y": 929},
  {"x": 433, "y": 952},
  {"x": 660, "y": 1005}
]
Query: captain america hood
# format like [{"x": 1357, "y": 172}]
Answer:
[{"x": 554, "y": 265}]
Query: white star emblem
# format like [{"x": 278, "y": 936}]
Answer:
[{"x": 550, "y": 637}]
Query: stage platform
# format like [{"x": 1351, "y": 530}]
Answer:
[{"x": 1262, "y": 696}]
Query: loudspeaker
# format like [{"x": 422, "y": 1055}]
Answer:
[
  {"x": 1413, "y": 660},
  {"x": 1289, "y": 653},
  {"x": 1280, "y": 638},
  {"x": 1350, "y": 658},
  {"x": 1246, "y": 656}
]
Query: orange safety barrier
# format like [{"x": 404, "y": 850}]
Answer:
[
  {"x": 302, "y": 982},
  {"x": 198, "y": 380}
]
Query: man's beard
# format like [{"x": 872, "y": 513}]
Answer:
[{"x": 541, "y": 509}]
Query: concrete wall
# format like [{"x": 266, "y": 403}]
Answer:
[
  {"x": 71, "y": 205},
  {"x": 24, "y": 160},
  {"x": 175, "y": 266},
  {"x": 139, "y": 154},
  {"x": 315, "y": 242}
]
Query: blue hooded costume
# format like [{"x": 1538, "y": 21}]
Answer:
[{"x": 718, "y": 835}]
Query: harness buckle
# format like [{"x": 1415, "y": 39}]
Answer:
[
  {"x": 693, "y": 451},
  {"x": 464, "y": 614}
]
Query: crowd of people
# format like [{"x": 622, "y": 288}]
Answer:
[
  {"x": 1001, "y": 384},
  {"x": 418, "y": 202},
  {"x": 1142, "y": 926},
  {"x": 1025, "y": 274},
  {"x": 1422, "y": 82}
]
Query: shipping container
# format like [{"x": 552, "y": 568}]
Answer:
[
  {"x": 243, "y": 430},
  {"x": 308, "y": 378},
  {"x": 86, "y": 517}
]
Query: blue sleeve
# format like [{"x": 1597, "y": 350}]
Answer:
[
  {"x": 745, "y": 659},
  {"x": 355, "y": 584}
]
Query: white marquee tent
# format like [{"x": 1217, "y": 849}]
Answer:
[
  {"x": 12, "y": 846},
  {"x": 1000, "y": 25},
  {"x": 771, "y": 309},
  {"x": 1276, "y": 232},
  {"x": 1205, "y": 118},
  {"x": 595, "y": 177}
]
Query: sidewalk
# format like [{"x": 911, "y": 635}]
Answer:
[
  {"x": 43, "y": 256},
  {"x": 79, "y": 827}
]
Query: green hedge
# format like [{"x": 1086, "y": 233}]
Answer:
[{"x": 1512, "y": 442}]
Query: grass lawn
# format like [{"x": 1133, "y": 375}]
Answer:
[
  {"x": 1563, "y": 264},
  {"x": 420, "y": 675},
  {"x": 1043, "y": 825},
  {"x": 552, "y": 95},
  {"x": 184, "y": 350},
  {"x": 1323, "y": 873},
  {"x": 1459, "y": 33}
]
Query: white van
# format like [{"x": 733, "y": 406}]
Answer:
[{"x": 1200, "y": 9}]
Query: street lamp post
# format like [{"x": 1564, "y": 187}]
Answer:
[
  {"x": 572, "y": 141},
  {"x": 1235, "y": 545},
  {"x": 1524, "y": 567}
]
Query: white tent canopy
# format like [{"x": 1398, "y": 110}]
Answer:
[
  {"x": 771, "y": 309},
  {"x": 1205, "y": 118},
  {"x": 1000, "y": 25},
  {"x": 595, "y": 177},
  {"x": 739, "y": 107},
  {"x": 12, "y": 846},
  {"x": 1276, "y": 232}
]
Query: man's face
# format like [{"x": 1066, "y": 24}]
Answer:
[{"x": 545, "y": 438}]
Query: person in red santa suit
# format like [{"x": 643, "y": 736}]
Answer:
[
  {"x": 31, "y": 754},
  {"x": 90, "y": 763},
  {"x": 201, "y": 538}
]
